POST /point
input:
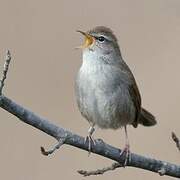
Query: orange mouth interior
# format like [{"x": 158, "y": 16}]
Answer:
[{"x": 88, "y": 41}]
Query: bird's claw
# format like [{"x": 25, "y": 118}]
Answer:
[
  {"x": 90, "y": 140},
  {"x": 127, "y": 152}
]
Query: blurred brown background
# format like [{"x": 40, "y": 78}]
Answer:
[{"x": 41, "y": 36}]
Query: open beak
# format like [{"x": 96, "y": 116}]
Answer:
[{"x": 88, "y": 40}]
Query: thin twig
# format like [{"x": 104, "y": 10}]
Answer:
[
  {"x": 176, "y": 140},
  {"x": 5, "y": 70},
  {"x": 100, "y": 171},
  {"x": 54, "y": 148}
]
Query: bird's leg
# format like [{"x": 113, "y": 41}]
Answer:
[
  {"x": 126, "y": 148},
  {"x": 89, "y": 138}
]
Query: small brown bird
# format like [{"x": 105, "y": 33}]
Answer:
[{"x": 106, "y": 91}]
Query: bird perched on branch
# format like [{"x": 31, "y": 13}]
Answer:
[{"x": 106, "y": 91}]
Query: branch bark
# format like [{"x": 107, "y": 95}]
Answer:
[
  {"x": 64, "y": 136},
  {"x": 100, "y": 147}
]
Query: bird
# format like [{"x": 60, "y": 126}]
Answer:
[{"x": 106, "y": 91}]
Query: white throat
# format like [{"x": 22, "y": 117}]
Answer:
[{"x": 91, "y": 64}]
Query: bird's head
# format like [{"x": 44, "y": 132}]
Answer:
[{"x": 100, "y": 40}]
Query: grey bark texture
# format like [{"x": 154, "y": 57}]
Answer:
[
  {"x": 64, "y": 136},
  {"x": 101, "y": 148}
]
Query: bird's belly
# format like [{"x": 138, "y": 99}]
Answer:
[
  {"x": 103, "y": 111},
  {"x": 99, "y": 105}
]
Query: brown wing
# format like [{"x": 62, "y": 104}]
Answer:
[
  {"x": 133, "y": 91},
  {"x": 136, "y": 98}
]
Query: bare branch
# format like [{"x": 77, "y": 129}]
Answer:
[
  {"x": 176, "y": 140},
  {"x": 75, "y": 140},
  {"x": 100, "y": 171},
  {"x": 64, "y": 136},
  {"x": 5, "y": 70}
]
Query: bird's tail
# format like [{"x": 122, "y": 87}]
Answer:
[{"x": 146, "y": 118}]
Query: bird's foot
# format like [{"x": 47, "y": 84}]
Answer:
[
  {"x": 127, "y": 152},
  {"x": 90, "y": 141}
]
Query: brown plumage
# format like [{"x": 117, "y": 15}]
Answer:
[{"x": 106, "y": 90}]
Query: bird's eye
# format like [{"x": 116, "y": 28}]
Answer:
[{"x": 101, "y": 39}]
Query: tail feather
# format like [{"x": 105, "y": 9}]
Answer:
[{"x": 146, "y": 118}]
